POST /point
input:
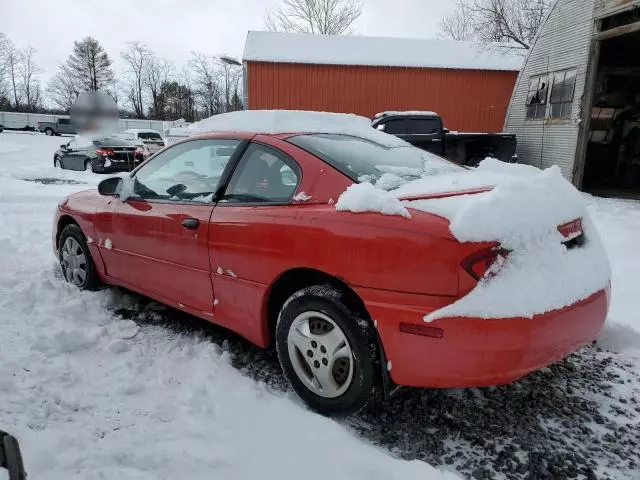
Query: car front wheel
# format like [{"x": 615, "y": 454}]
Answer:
[
  {"x": 48, "y": 132},
  {"x": 327, "y": 352},
  {"x": 75, "y": 259}
]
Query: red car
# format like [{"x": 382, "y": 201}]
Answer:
[{"x": 241, "y": 229}]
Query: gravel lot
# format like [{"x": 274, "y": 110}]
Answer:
[{"x": 576, "y": 419}]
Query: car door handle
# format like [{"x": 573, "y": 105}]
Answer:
[{"x": 191, "y": 223}]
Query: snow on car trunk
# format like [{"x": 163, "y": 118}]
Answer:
[{"x": 522, "y": 211}]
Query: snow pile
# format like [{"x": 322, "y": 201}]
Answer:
[
  {"x": 489, "y": 173},
  {"x": 294, "y": 121},
  {"x": 377, "y": 51},
  {"x": 364, "y": 197},
  {"x": 523, "y": 214}
]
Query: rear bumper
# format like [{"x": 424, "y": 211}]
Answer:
[
  {"x": 99, "y": 166},
  {"x": 475, "y": 352}
]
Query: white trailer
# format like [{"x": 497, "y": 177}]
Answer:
[{"x": 29, "y": 121}]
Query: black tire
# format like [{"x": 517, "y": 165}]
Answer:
[
  {"x": 92, "y": 280},
  {"x": 10, "y": 457},
  {"x": 56, "y": 162},
  {"x": 48, "y": 132},
  {"x": 358, "y": 331},
  {"x": 88, "y": 166}
]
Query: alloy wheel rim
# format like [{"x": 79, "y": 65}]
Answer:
[
  {"x": 320, "y": 354},
  {"x": 74, "y": 262}
]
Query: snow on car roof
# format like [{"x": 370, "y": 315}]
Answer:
[
  {"x": 410, "y": 112},
  {"x": 376, "y": 51},
  {"x": 141, "y": 130},
  {"x": 295, "y": 121}
]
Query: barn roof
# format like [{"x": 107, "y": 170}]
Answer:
[{"x": 376, "y": 51}]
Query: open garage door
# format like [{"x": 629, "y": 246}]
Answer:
[{"x": 612, "y": 156}]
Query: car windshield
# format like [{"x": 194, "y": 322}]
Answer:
[
  {"x": 366, "y": 161},
  {"x": 149, "y": 136}
]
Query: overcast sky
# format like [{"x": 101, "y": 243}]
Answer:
[{"x": 174, "y": 28}]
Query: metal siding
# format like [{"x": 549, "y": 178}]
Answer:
[
  {"x": 468, "y": 100},
  {"x": 564, "y": 42}
]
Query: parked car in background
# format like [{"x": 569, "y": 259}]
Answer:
[
  {"x": 152, "y": 139},
  {"x": 244, "y": 230},
  {"x": 1, "y": 128},
  {"x": 101, "y": 156},
  {"x": 59, "y": 127},
  {"x": 425, "y": 130}
]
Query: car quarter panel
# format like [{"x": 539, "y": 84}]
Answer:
[{"x": 251, "y": 246}]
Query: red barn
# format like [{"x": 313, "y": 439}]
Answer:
[{"x": 469, "y": 87}]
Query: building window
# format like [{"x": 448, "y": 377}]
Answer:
[
  {"x": 564, "y": 85},
  {"x": 537, "y": 97}
]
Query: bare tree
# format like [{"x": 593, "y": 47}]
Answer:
[
  {"x": 90, "y": 65},
  {"x": 456, "y": 25},
  {"x": 159, "y": 72},
  {"x": 326, "y": 17},
  {"x": 13, "y": 63},
  {"x": 63, "y": 88},
  {"x": 502, "y": 21},
  {"x": 29, "y": 84},
  {"x": 4, "y": 50},
  {"x": 206, "y": 77},
  {"x": 137, "y": 57}
]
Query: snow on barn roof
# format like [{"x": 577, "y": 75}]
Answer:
[{"x": 375, "y": 51}]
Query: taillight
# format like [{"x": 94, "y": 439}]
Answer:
[
  {"x": 105, "y": 152},
  {"x": 139, "y": 153},
  {"x": 478, "y": 263}
]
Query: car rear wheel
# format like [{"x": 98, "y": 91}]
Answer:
[
  {"x": 88, "y": 165},
  {"x": 327, "y": 352},
  {"x": 56, "y": 162},
  {"x": 48, "y": 132},
  {"x": 75, "y": 259}
]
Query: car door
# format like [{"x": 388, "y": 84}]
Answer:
[
  {"x": 70, "y": 157},
  {"x": 426, "y": 133},
  {"x": 156, "y": 241},
  {"x": 243, "y": 231}
]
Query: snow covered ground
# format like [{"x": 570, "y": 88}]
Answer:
[{"x": 93, "y": 395}]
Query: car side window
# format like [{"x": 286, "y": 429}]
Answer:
[
  {"x": 263, "y": 175},
  {"x": 425, "y": 126},
  {"x": 187, "y": 172},
  {"x": 395, "y": 127}
]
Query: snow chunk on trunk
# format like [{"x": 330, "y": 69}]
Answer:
[
  {"x": 523, "y": 213},
  {"x": 364, "y": 197}
]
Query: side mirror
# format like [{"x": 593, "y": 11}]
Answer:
[
  {"x": 380, "y": 127},
  {"x": 63, "y": 146},
  {"x": 110, "y": 186},
  {"x": 11, "y": 458},
  {"x": 446, "y": 130}
]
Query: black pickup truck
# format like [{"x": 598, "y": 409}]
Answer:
[{"x": 426, "y": 131}]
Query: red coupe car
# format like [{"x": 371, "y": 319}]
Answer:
[{"x": 241, "y": 229}]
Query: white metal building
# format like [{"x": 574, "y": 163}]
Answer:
[{"x": 576, "y": 103}]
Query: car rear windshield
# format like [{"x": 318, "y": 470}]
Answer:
[
  {"x": 112, "y": 142},
  {"x": 366, "y": 161},
  {"x": 149, "y": 136}
]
